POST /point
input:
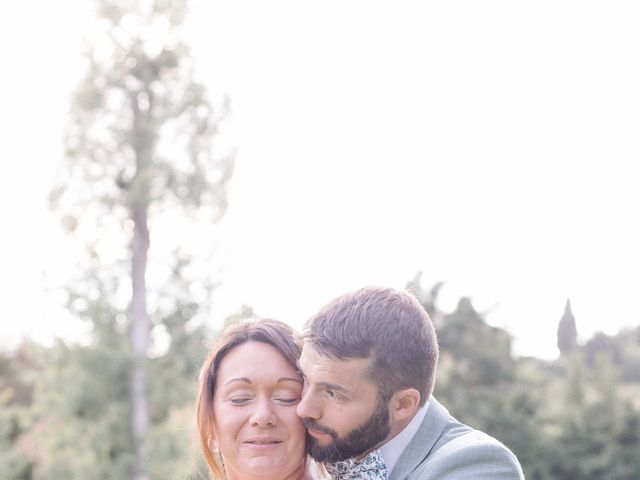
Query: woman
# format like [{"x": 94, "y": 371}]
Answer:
[{"x": 246, "y": 409}]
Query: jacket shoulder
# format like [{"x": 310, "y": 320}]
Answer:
[{"x": 471, "y": 455}]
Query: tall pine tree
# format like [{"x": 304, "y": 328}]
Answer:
[{"x": 139, "y": 149}]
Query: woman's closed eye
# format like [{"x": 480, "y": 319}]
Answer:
[
  {"x": 287, "y": 396},
  {"x": 239, "y": 399}
]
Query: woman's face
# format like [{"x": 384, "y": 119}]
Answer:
[{"x": 254, "y": 409}]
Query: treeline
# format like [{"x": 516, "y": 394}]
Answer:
[
  {"x": 575, "y": 418},
  {"x": 64, "y": 410}
]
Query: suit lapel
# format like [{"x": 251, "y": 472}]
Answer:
[{"x": 423, "y": 441}]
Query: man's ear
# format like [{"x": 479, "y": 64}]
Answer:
[{"x": 404, "y": 404}]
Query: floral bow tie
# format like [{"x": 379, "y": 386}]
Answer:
[{"x": 371, "y": 467}]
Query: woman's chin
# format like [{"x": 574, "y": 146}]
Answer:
[
  {"x": 266, "y": 464},
  {"x": 278, "y": 465}
]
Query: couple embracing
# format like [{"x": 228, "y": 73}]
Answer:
[{"x": 349, "y": 399}]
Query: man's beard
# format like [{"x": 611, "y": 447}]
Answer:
[{"x": 359, "y": 440}]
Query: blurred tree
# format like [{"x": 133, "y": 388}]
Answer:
[
  {"x": 476, "y": 367},
  {"x": 567, "y": 332},
  {"x": 238, "y": 317},
  {"x": 139, "y": 148},
  {"x": 623, "y": 349},
  {"x": 16, "y": 398},
  {"x": 80, "y": 413},
  {"x": 596, "y": 434},
  {"x": 564, "y": 420},
  {"x": 483, "y": 352},
  {"x": 626, "y": 437},
  {"x": 428, "y": 298},
  {"x": 475, "y": 375}
]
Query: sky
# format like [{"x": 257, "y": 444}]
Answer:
[{"x": 490, "y": 145}]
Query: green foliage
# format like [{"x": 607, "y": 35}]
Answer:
[
  {"x": 428, "y": 298},
  {"x": 623, "y": 350},
  {"x": 238, "y": 317},
  {"x": 65, "y": 410},
  {"x": 141, "y": 129},
  {"x": 174, "y": 451},
  {"x": 575, "y": 418},
  {"x": 17, "y": 459},
  {"x": 81, "y": 414}
]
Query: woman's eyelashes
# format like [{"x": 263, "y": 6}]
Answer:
[
  {"x": 288, "y": 400},
  {"x": 239, "y": 400}
]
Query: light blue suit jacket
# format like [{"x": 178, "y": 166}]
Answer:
[{"x": 445, "y": 449}]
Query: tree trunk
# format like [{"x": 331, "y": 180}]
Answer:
[{"x": 140, "y": 337}]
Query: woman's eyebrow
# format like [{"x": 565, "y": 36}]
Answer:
[
  {"x": 281, "y": 379},
  {"x": 289, "y": 379},
  {"x": 239, "y": 379}
]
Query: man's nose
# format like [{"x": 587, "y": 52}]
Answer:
[
  {"x": 308, "y": 406},
  {"x": 263, "y": 415}
]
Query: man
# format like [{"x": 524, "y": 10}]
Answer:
[{"x": 369, "y": 361}]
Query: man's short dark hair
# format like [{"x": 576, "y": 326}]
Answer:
[{"x": 384, "y": 324}]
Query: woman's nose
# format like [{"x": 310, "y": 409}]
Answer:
[{"x": 263, "y": 415}]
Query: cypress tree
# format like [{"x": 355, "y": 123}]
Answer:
[{"x": 567, "y": 332}]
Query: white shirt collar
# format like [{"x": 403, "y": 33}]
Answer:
[{"x": 392, "y": 450}]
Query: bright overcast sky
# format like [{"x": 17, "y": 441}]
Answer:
[{"x": 492, "y": 145}]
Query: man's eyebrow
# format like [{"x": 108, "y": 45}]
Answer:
[
  {"x": 334, "y": 387},
  {"x": 239, "y": 379}
]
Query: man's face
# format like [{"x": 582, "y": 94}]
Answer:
[{"x": 340, "y": 407}]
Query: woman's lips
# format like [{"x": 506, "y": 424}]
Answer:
[{"x": 263, "y": 443}]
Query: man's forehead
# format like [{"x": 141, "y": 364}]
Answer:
[{"x": 338, "y": 370}]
